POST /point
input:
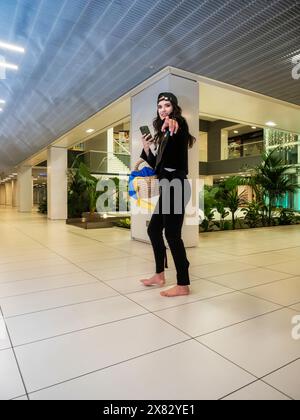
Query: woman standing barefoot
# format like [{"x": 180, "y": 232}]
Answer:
[{"x": 167, "y": 153}]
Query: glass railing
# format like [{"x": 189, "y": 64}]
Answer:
[
  {"x": 104, "y": 162},
  {"x": 235, "y": 151}
]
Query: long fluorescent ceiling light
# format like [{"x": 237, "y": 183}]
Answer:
[
  {"x": 11, "y": 47},
  {"x": 8, "y": 65}
]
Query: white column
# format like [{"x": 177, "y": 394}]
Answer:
[
  {"x": 110, "y": 148},
  {"x": 224, "y": 144},
  {"x": 2, "y": 194},
  {"x": 57, "y": 183},
  {"x": 143, "y": 110},
  {"x": 25, "y": 189},
  {"x": 8, "y": 193},
  {"x": 14, "y": 183},
  {"x": 208, "y": 180}
]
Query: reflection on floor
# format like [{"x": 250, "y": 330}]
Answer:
[{"x": 76, "y": 323}]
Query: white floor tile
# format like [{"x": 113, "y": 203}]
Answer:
[
  {"x": 39, "y": 275},
  {"x": 45, "y": 283},
  {"x": 11, "y": 385},
  {"x": 200, "y": 289},
  {"x": 250, "y": 278},
  {"x": 284, "y": 292},
  {"x": 126, "y": 262},
  {"x": 4, "y": 339},
  {"x": 291, "y": 267},
  {"x": 260, "y": 345},
  {"x": 25, "y": 304},
  {"x": 41, "y": 325},
  {"x": 265, "y": 258},
  {"x": 29, "y": 265},
  {"x": 296, "y": 307},
  {"x": 222, "y": 267},
  {"x": 179, "y": 372},
  {"x": 287, "y": 380},
  {"x": 258, "y": 391},
  {"x": 34, "y": 273},
  {"x": 203, "y": 317},
  {"x": 93, "y": 262},
  {"x": 290, "y": 252},
  {"x": 52, "y": 361},
  {"x": 117, "y": 271},
  {"x": 42, "y": 255}
]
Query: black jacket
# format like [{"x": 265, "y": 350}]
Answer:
[{"x": 172, "y": 153}]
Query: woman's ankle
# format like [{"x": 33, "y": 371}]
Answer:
[{"x": 162, "y": 273}]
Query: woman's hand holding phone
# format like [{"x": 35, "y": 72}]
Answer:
[{"x": 146, "y": 138}]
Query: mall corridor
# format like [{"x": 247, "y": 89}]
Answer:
[{"x": 77, "y": 324}]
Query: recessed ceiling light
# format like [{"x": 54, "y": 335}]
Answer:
[
  {"x": 8, "y": 65},
  {"x": 236, "y": 132},
  {"x": 2, "y": 101},
  {"x": 253, "y": 127},
  {"x": 271, "y": 124},
  {"x": 11, "y": 47},
  {"x": 90, "y": 130},
  {"x": 1, "y": 109}
]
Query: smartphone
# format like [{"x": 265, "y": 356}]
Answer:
[{"x": 145, "y": 130}]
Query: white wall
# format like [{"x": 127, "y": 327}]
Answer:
[
  {"x": 8, "y": 193},
  {"x": 25, "y": 188},
  {"x": 247, "y": 107},
  {"x": 57, "y": 182},
  {"x": 203, "y": 146},
  {"x": 2, "y": 195}
]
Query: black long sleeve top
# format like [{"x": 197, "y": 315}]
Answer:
[{"x": 174, "y": 152}]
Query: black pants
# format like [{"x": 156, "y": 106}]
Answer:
[{"x": 169, "y": 215}]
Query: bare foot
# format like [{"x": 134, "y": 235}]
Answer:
[
  {"x": 157, "y": 279},
  {"x": 176, "y": 291}
]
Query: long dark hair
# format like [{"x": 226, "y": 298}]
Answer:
[{"x": 177, "y": 114}]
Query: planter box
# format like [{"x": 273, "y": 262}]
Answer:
[{"x": 94, "y": 222}]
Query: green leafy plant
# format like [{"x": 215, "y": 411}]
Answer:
[
  {"x": 43, "y": 206},
  {"x": 254, "y": 213},
  {"x": 209, "y": 204},
  {"x": 286, "y": 217},
  {"x": 271, "y": 181},
  {"x": 124, "y": 223},
  {"x": 228, "y": 195},
  {"x": 90, "y": 183},
  {"x": 223, "y": 213},
  {"x": 82, "y": 194}
]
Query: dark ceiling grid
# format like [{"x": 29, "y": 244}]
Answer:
[
  {"x": 65, "y": 108},
  {"x": 95, "y": 76},
  {"x": 160, "y": 56},
  {"x": 260, "y": 54},
  {"x": 68, "y": 82},
  {"x": 129, "y": 64},
  {"x": 92, "y": 89},
  {"x": 235, "y": 44},
  {"x": 59, "y": 29},
  {"x": 83, "y": 54}
]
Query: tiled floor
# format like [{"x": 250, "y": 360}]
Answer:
[{"x": 76, "y": 323}]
